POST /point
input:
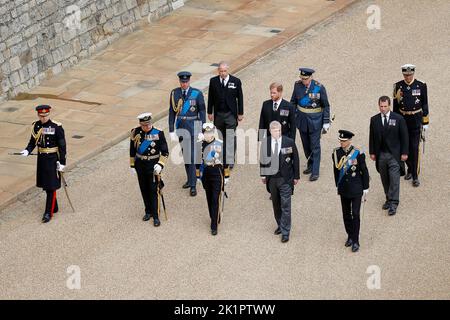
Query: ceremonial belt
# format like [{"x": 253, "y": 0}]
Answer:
[
  {"x": 309, "y": 110},
  {"x": 48, "y": 150},
  {"x": 188, "y": 118},
  {"x": 214, "y": 165},
  {"x": 409, "y": 113},
  {"x": 141, "y": 157}
]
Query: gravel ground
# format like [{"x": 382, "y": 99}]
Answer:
[{"x": 121, "y": 257}]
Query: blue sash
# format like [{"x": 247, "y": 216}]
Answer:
[
  {"x": 186, "y": 105},
  {"x": 345, "y": 165},
  {"x": 306, "y": 100},
  {"x": 144, "y": 145},
  {"x": 209, "y": 157}
]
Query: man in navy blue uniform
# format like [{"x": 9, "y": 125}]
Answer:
[
  {"x": 411, "y": 101},
  {"x": 187, "y": 113},
  {"x": 312, "y": 118},
  {"x": 352, "y": 182},
  {"x": 48, "y": 136},
  {"x": 148, "y": 154}
]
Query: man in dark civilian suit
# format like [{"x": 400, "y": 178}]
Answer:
[
  {"x": 226, "y": 108},
  {"x": 388, "y": 146},
  {"x": 277, "y": 109},
  {"x": 280, "y": 172}
]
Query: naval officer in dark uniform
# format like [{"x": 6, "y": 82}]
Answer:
[
  {"x": 312, "y": 117},
  {"x": 148, "y": 155},
  {"x": 352, "y": 182},
  {"x": 187, "y": 113},
  {"x": 213, "y": 173},
  {"x": 48, "y": 136},
  {"x": 411, "y": 101}
]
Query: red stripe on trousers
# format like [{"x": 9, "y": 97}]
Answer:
[{"x": 53, "y": 204}]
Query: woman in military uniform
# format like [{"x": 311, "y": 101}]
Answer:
[
  {"x": 48, "y": 136},
  {"x": 212, "y": 173},
  {"x": 352, "y": 182},
  {"x": 148, "y": 154}
]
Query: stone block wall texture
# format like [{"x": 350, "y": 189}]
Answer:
[{"x": 40, "y": 38}]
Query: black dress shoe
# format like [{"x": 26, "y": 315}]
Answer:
[
  {"x": 46, "y": 218},
  {"x": 349, "y": 242},
  {"x": 146, "y": 217},
  {"x": 392, "y": 211},
  {"x": 156, "y": 222},
  {"x": 416, "y": 183},
  {"x": 277, "y": 231},
  {"x": 214, "y": 232},
  {"x": 307, "y": 171},
  {"x": 355, "y": 247},
  {"x": 284, "y": 239},
  {"x": 386, "y": 205},
  {"x": 408, "y": 176},
  {"x": 314, "y": 177},
  {"x": 193, "y": 192},
  {"x": 186, "y": 185}
]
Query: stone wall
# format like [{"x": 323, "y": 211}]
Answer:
[{"x": 40, "y": 38}]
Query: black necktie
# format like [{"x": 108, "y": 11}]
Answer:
[
  {"x": 184, "y": 94},
  {"x": 385, "y": 121},
  {"x": 223, "y": 83},
  {"x": 275, "y": 105}
]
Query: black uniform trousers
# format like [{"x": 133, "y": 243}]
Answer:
[
  {"x": 413, "y": 158},
  {"x": 51, "y": 204},
  {"x": 212, "y": 181},
  {"x": 350, "y": 212},
  {"x": 148, "y": 184},
  {"x": 226, "y": 122}
]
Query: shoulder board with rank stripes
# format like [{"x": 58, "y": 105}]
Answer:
[{"x": 57, "y": 123}]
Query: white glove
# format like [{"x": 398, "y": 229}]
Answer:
[
  {"x": 365, "y": 192},
  {"x": 199, "y": 180},
  {"x": 425, "y": 127},
  {"x": 226, "y": 180},
  {"x": 173, "y": 136},
  {"x": 157, "y": 169},
  {"x": 200, "y": 137},
  {"x": 24, "y": 153},
  {"x": 60, "y": 167},
  {"x": 326, "y": 127},
  {"x": 132, "y": 170}
]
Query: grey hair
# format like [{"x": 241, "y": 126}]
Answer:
[
  {"x": 223, "y": 64},
  {"x": 275, "y": 124}
]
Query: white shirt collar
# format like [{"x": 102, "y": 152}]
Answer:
[
  {"x": 277, "y": 102},
  {"x": 226, "y": 79},
  {"x": 388, "y": 115},
  {"x": 279, "y": 143}
]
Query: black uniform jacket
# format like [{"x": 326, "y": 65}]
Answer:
[
  {"x": 411, "y": 101},
  {"x": 356, "y": 177},
  {"x": 148, "y": 149},
  {"x": 50, "y": 140}
]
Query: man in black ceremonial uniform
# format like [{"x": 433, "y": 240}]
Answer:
[
  {"x": 411, "y": 101},
  {"x": 213, "y": 173},
  {"x": 148, "y": 154},
  {"x": 352, "y": 181},
  {"x": 48, "y": 136}
]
